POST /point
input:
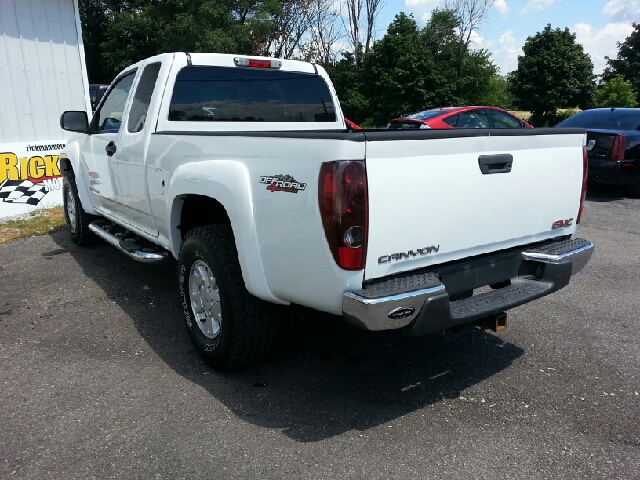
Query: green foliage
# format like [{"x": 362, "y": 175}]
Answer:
[
  {"x": 410, "y": 70},
  {"x": 617, "y": 92},
  {"x": 628, "y": 62},
  {"x": 118, "y": 33},
  {"x": 563, "y": 115},
  {"x": 553, "y": 73},
  {"x": 497, "y": 93}
]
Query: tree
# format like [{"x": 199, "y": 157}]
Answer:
[
  {"x": 94, "y": 16},
  {"x": 628, "y": 62},
  {"x": 323, "y": 34},
  {"x": 617, "y": 92},
  {"x": 409, "y": 70},
  {"x": 553, "y": 73},
  {"x": 291, "y": 19},
  {"x": 470, "y": 14},
  {"x": 497, "y": 93},
  {"x": 137, "y": 29},
  {"x": 356, "y": 24}
]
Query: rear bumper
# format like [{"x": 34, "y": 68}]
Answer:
[
  {"x": 623, "y": 172},
  {"x": 421, "y": 302}
]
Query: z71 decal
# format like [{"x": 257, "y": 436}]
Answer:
[{"x": 283, "y": 183}]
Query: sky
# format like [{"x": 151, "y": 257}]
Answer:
[{"x": 598, "y": 25}]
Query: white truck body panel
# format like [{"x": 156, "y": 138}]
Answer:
[{"x": 425, "y": 193}]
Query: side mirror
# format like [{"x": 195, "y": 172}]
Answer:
[{"x": 73, "y": 121}]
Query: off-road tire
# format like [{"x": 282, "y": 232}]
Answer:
[
  {"x": 246, "y": 329},
  {"x": 78, "y": 221}
]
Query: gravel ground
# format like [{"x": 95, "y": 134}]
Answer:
[{"x": 99, "y": 380}]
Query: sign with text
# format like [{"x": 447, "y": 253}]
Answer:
[{"x": 29, "y": 177}]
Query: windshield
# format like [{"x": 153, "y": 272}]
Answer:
[{"x": 604, "y": 119}]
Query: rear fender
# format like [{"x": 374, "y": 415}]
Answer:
[{"x": 228, "y": 183}]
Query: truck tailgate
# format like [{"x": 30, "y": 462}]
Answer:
[{"x": 442, "y": 195}]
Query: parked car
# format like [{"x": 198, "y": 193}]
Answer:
[
  {"x": 96, "y": 91},
  {"x": 458, "y": 117},
  {"x": 351, "y": 125},
  {"x": 613, "y": 143}
]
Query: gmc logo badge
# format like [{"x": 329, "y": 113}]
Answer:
[
  {"x": 562, "y": 223},
  {"x": 401, "y": 312}
]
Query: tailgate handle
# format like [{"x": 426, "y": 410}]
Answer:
[{"x": 500, "y": 163}]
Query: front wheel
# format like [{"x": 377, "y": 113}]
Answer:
[
  {"x": 229, "y": 326},
  {"x": 77, "y": 219}
]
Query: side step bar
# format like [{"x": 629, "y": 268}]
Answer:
[{"x": 127, "y": 246}]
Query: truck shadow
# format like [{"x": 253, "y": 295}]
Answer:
[
  {"x": 600, "y": 192},
  {"x": 324, "y": 378}
]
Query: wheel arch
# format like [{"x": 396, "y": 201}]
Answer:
[
  {"x": 70, "y": 165},
  {"x": 197, "y": 203}
]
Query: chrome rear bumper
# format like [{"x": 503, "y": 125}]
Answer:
[{"x": 421, "y": 301}]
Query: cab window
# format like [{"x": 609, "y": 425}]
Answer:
[
  {"x": 223, "y": 94},
  {"x": 142, "y": 98},
  {"x": 109, "y": 117}
]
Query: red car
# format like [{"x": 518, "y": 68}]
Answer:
[{"x": 458, "y": 117}]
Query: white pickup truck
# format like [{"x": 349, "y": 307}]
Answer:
[{"x": 243, "y": 170}]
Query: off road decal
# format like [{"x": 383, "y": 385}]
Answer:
[{"x": 283, "y": 183}]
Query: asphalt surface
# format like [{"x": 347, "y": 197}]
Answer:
[{"x": 98, "y": 379}]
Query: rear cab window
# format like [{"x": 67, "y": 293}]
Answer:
[{"x": 249, "y": 95}]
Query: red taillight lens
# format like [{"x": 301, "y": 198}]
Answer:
[
  {"x": 256, "y": 62},
  {"x": 618, "y": 147},
  {"x": 260, "y": 63},
  {"x": 585, "y": 174},
  {"x": 342, "y": 195}
]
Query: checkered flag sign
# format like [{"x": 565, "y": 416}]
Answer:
[{"x": 22, "y": 191}]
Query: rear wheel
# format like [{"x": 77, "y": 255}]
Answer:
[
  {"x": 77, "y": 219},
  {"x": 229, "y": 326}
]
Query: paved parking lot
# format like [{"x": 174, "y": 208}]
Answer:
[{"x": 98, "y": 380}]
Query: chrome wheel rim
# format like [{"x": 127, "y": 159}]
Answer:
[
  {"x": 205, "y": 299},
  {"x": 71, "y": 210}
]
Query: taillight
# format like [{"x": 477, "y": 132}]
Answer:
[
  {"x": 618, "y": 148},
  {"x": 342, "y": 195},
  {"x": 585, "y": 174}
]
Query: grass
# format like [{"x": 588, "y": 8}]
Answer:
[
  {"x": 521, "y": 114},
  {"x": 38, "y": 222}
]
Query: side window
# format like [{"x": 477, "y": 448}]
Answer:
[
  {"x": 473, "y": 119},
  {"x": 110, "y": 114},
  {"x": 504, "y": 120},
  {"x": 236, "y": 94},
  {"x": 142, "y": 98},
  {"x": 452, "y": 120}
]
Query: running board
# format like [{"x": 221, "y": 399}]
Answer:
[{"x": 127, "y": 246}]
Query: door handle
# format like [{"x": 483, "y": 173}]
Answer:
[
  {"x": 110, "y": 148},
  {"x": 500, "y": 163}
]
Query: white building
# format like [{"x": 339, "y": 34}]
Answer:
[{"x": 42, "y": 74}]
